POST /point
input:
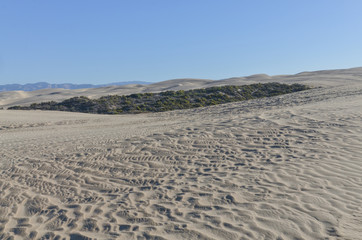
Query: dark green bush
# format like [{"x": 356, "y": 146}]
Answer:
[{"x": 168, "y": 100}]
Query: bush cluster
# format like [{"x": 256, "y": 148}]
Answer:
[{"x": 168, "y": 100}]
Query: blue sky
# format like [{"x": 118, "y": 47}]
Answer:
[{"x": 88, "y": 41}]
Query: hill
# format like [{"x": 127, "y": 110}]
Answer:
[{"x": 45, "y": 85}]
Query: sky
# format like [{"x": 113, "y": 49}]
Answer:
[{"x": 95, "y": 41}]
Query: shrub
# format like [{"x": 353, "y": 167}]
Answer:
[{"x": 168, "y": 100}]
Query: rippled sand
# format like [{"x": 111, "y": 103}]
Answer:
[{"x": 287, "y": 167}]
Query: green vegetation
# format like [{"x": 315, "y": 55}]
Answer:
[{"x": 166, "y": 101}]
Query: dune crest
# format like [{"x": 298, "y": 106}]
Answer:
[{"x": 324, "y": 78}]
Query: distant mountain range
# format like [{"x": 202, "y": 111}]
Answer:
[{"x": 44, "y": 85}]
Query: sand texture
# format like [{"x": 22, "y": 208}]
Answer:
[{"x": 287, "y": 167}]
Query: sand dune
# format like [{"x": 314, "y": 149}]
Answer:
[
  {"x": 287, "y": 167},
  {"x": 319, "y": 78}
]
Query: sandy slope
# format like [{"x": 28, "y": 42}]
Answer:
[
  {"x": 287, "y": 167},
  {"x": 318, "y": 78}
]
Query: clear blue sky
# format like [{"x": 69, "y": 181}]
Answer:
[{"x": 88, "y": 41}]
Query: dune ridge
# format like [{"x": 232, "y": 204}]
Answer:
[{"x": 286, "y": 167}]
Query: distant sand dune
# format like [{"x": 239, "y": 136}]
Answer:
[
  {"x": 287, "y": 167},
  {"x": 319, "y": 78}
]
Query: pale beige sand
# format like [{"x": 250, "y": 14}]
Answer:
[{"x": 287, "y": 167}]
